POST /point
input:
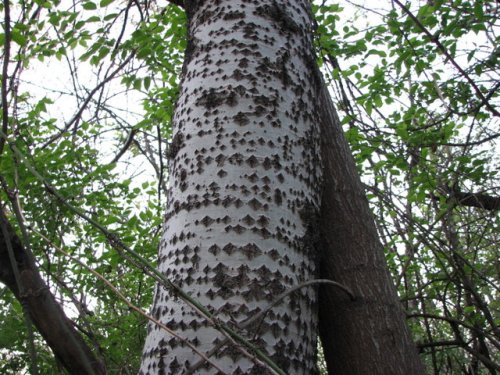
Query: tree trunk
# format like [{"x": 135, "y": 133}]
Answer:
[
  {"x": 44, "y": 311},
  {"x": 244, "y": 188},
  {"x": 368, "y": 335}
]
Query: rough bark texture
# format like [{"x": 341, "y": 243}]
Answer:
[
  {"x": 46, "y": 314},
  {"x": 368, "y": 335},
  {"x": 244, "y": 188}
]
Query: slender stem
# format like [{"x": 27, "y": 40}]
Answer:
[
  {"x": 261, "y": 315},
  {"x": 5, "y": 73},
  {"x": 5, "y": 129},
  {"x": 434, "y": 39},
  {"x": 145, "y": 265},
  {"x": 126, "y": 301},
  {"x": 87, "y": 100},
  {"x": 16, "y": 206}
]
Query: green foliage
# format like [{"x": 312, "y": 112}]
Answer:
[
  {"x": 122, "y": 65},
  {"x": 406, "y": 82}
]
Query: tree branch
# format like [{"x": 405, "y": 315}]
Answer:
[
  {"x": 130, "y": 304},
  {"x": 46, "y": 314},
  {"x": 253, "y": 320},
  {"x": 434, "y": 39},
  {"x": 125, "y": 147},
  {"x": 86, "y": 102},
  {"x": 143, "y": 264},
  {"x": 479, "y": 200},
  {"x": 422, "y": 346},
  {"x": 5, "y": 73}
]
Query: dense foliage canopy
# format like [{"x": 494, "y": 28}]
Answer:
[{"x": 88, "y": 90}]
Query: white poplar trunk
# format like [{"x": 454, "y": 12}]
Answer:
[{"x": 244, "y": 188}]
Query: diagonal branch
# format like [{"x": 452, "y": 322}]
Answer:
[
  {"x": 79, "y": 113},
  {"x": 260, "y": 316},
  {"x": 434, "y": 39},
  {"x": 142, "y": 263},
  {"x": 479, "y": 200},
  {"x": 46, "y": 314},
  {"x": 130, "y": 304}
]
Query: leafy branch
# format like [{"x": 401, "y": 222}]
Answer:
[
  {"x": 434, "y": 39},
  {"x": 145, "y": 265}
]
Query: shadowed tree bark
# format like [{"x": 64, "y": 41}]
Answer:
[
  {"x": 46, "y": 314},
  {"x": 368, "y": 335}
]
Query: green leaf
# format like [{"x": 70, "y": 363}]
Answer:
[
  {"x": 17, "y": 37},
  {"x": 479, "y": 11},
  {"x": 377, "y": 52},
  {"x": 369, "y": 107},
  {"x": 137, "y": 84},
  {"x": 110, "y": 16},
  {"x": 420, "y": 67},
  {"x": 89, "y": 5},
  {"x": 147, "y": 82}
]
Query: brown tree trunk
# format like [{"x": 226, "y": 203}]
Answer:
[
  {"x": 368, "y": 335},
  {"x": 44, "y": 311}
]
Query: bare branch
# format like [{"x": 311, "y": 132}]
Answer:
[
  {"x": 128, "y": 142},
  {"x": 78, "y": 114},
  {"x": 130, "y": 304}
]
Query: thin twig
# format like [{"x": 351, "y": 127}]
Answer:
[
  {"x": 293, "y": 289},
  {"x": 262, "y": 314},
  {"x": 5, "y": 72},
  {"x": 125, "y": 147},
  {"x": 79, "y": 113},
  {"x": 30, "y": 258},
  {"x": 118, "y": 245},
  {"x": 434, "y": 39},
  {"x": 126, "y": 301}
]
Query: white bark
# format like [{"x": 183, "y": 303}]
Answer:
[{"x": 244, "y": 188}]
